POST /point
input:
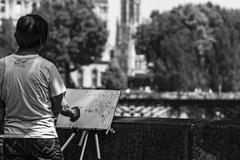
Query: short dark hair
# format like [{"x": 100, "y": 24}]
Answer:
[{"x": 31, "y": 31}]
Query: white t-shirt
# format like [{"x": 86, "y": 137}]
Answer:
[{"x": 27, "y": 83}]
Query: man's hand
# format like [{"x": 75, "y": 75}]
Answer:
[
  {"x": 63, "y": 108},
  {"x": 76, "y": 114}
]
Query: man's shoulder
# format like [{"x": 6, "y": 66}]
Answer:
[
  {"x": 2, "y": 60},
  {"x": 5, "y": 57},
  {"x": 45, "y": 62},
  {"x": 2, "y": 66}
]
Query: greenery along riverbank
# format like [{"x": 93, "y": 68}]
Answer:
[{"x": 192, "y": 46}]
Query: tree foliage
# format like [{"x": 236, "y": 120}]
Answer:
[
  {"x": 77, "y": 35},
  {"x": 114, "y": 78},
  {"x": 193, "y": 46},
  {"x": 7, "y": 41}
]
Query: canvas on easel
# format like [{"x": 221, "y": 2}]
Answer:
[{"x": 97, "y": 109}]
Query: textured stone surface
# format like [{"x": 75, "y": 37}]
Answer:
[
  {"x": 138, "y": 139},
  {"x": 216, "y": 140},
  {"x": 165, "y": 139},
  {"x": 160, "y": 139}
]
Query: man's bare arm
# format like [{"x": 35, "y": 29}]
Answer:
[{"x": 62, "y": 107}]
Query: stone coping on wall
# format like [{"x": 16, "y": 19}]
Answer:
[{"x": 181, "y": 95}]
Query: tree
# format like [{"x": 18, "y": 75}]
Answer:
[
  {"x": 192, "y": 46},
  {"x": 77, "y": 36},
  {"x": 114, "y": 78}
]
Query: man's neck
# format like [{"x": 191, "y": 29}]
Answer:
[{"x": 28, "y": 51}]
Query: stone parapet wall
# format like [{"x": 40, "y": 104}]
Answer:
[{"x": 161, "y": 139}]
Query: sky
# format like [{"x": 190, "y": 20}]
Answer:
[{"x": 147, "y": 6}]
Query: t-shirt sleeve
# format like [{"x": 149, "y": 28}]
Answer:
[{"x": 56, "y": 83}]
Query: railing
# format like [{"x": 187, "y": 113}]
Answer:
[{"x": 179, "y": 108}]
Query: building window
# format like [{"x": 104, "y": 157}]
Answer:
[
  {"x": 27, "y": 5},
  {"x": 131, "y": 11},
  {"x": 105, "y": 9},
  {"x": 3, "y": 1},
  {"x": 94, "y": 78},
  {"x": 19, "y": 2},
  {"x": 124, "y": 12},
  {"x": 3, "y": 9},
  {"x": 112, "y": 54},
  {"x": 34, "y": 4},
  {"x": 138, "y": 64},
  {"x": 80, "y": 78},
  {"x": 137, "y": 13}
]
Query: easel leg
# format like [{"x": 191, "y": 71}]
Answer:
[
  {"x": 67, "y": 142},
  {"x": 97, "y": 146},
  {"x": 84, "y": 145},
  {"x": 82, "y": 138}
]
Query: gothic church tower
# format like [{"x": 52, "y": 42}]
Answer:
[{"x": 125, "y": 45}]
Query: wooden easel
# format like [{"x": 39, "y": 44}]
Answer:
[
  {"x": 83, "y": 141},
  {"x": 92, "y": 100}
]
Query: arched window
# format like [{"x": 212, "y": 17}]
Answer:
[
  {"x": 80, "y": 78},
  {"x": 94, "y": 78},
  {"x": 3, "y": 9}
]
